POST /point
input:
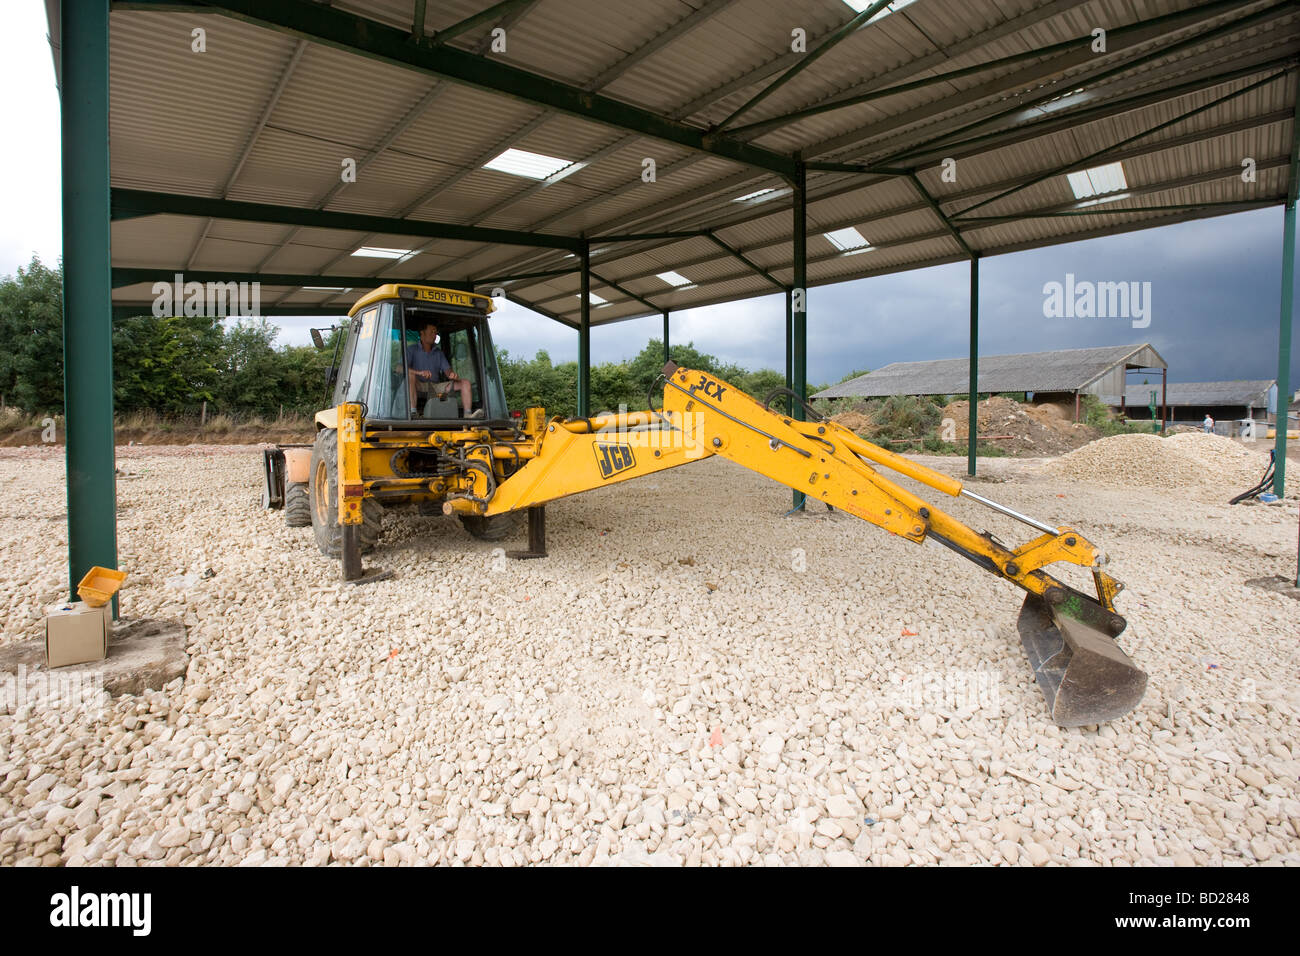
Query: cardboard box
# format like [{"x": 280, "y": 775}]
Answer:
[{"x": 77, "y": 633}]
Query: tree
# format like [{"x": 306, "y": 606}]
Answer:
[
  {"x": 760, "y": 384},
  {"x": 167, "y": 364},
  {"x": 31, "y": 330},
  {"x": 252, "y": 373},
  {"x": 538, "y": 382},
  {"x": 646, "y": 365}
]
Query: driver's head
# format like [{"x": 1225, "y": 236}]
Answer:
[{"x": 428, "y": 335}]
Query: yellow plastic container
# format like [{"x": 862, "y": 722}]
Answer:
[{"x": 99, "y": 585}]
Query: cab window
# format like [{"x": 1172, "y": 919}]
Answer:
[
  {"x": 456, "y": 340},
  {"x": 357, "y": 380}
]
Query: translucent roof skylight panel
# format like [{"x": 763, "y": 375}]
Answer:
[
  {"x": 847, "y": 239},
  {"x": 674, "y": 279},
  {"x": 520, "y": 162},
  {"x": 1098, "y": 180}
]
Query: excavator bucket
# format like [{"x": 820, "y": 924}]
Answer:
[{"x": 1070, "y": 642}]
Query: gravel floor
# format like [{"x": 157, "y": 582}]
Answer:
[{"x": 689, "y": 678}]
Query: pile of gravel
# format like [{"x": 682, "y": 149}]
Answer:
[{"x": 1195, "y": 462}]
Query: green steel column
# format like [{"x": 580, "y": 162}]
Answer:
[
  {"x": 789, "y": 347},
  {"x": 667, "y": 358},
  {"x": 584, "y": 334},
  {"x": 1284, "y": 347},
  {"x": 972, "y": 435},
  {"x": 87, "y": 290},
  {"x": 799, "y": 312}
]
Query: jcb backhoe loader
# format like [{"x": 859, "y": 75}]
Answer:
[{"x": 394, "y": 438}]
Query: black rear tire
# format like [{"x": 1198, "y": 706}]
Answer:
[
  {"x": 297, "y": 506},
  {"x": 494, "y": 528},
  {"x": 323, "y": 494}
]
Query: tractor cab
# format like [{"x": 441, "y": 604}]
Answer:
[{"x": 381, "y": 369}]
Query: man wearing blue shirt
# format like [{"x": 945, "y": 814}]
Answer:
[{"x": 426, "y": 366}]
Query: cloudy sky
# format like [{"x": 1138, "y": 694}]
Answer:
[{"x": 1215, "y": 284}]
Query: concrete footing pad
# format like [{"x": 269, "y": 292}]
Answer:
[
  {"x": 143, "y": 654},
  {"x": 1276, "y": 584}
]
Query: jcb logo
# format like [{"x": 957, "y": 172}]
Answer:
[{"x": 613, "y": 458}]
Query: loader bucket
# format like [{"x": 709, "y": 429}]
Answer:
[{"x": 1070, "y": 641}]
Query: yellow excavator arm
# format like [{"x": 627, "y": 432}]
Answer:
[{"x": 1068, "y": 635}]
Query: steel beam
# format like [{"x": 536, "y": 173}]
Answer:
[
  {"x": 971, "y": 223},
  {"x": 972, "y": 434},
  {"x": 132, "y": 203},
  {"x": 369, "y": 38},
  {"x": 87, "y": 291},
  {"x": 1075, "y": 116},
  {"x": 123, "y": 277},
  {"x": 951, "y": 52},
  {"x": 547, "y": 313},
  {"x": 584, "y": 331},
  {"x": 1286, "y": 319},
  {"x": 808, "y": 59},
  {"x": 626, "y": 292},
  {"x": 799, "y": 324},
  {"x": 659, "y": 41},
  {"x": 522, "y": 277},
  {"x": 1101, "y": 154},
  {"x": 651, "y": 236},
  {"x": 492, "y": 13},
  {"x": 1117, "y": 39},
  {"x": 1029, "y": 78},
  {"x": 789, "y": 342},
  {"x": 753, "y": 266},
  {"x": 943, "y": 218},
  {"x": 667, "y": 352},
  {"x": 130, "y": 310}
]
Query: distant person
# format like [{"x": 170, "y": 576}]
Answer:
[
  {"x": 1207, "y": 426},
  {"x": 426, "y": 367}
]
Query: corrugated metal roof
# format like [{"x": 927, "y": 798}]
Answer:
[
  {"x": 420, "y": 140},
  {"x": 1253, "y": 394},
  {"x": 1065, "y": 370}
]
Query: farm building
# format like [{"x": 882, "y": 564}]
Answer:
[
  {"x": 1060, "y": 376},
  {"x": 1192, "y": 401}
]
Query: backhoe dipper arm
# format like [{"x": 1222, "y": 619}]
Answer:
[{"x": 829, "y": 463}]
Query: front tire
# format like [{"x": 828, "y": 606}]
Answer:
[
  {"x": 323, "y": 494},
  {"x": 297, "y": 505}
]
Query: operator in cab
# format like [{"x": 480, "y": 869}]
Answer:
[{"x": 426, "y": 369}]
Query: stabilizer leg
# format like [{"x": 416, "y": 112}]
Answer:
[
  {"x": 353, "y": 572},
  {"x": 536, "y": 535}
]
